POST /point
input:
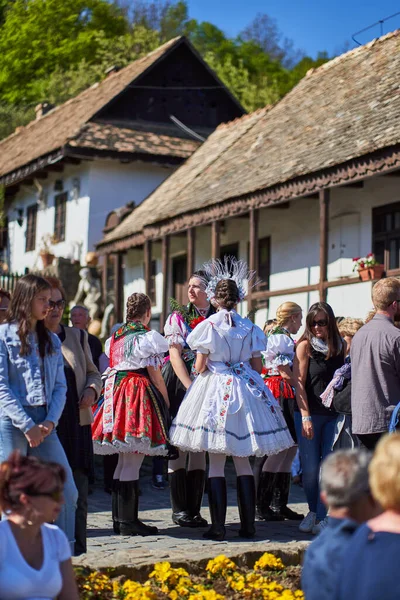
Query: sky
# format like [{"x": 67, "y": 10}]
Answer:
[{"x": 313, "y": 25}]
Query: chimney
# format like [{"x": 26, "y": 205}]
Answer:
[{"x": 43, "y": 108}]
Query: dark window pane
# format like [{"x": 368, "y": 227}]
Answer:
[
  {"x": 30, "y": 243},
  {"x": 264, "y": 265},
  {"x": 394, "y": 253},
  {"x": 397, "y": 220},
  {"x": 388, "y": 222},
  {"x": 379, "y": 251}
]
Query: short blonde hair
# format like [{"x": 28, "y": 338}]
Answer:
[
  {"x": 286, "y": 310},
  {"x": 349, "y": 327},
  {"x": 385, "y": 291},
  {"x": 370, "y": 316},
  {"x": 384, "y": 472}
]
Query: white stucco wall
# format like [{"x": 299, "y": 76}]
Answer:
[
  {"x": 113, "y": 184},
  {"x": 77, "y": 220},
  {"x": 104, "y": 186}
]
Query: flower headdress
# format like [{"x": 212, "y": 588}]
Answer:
[{"x": 229, "y": 268}]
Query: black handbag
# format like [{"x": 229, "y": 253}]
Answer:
[{"x": 342, "y": 399}]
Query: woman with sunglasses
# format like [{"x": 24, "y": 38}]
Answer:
[
  {"x": 83, "y": 389},
  {"x": 33, "y": 387},
  {"x": 35, "y": 557},
  {"x": 319, "y": 353}
]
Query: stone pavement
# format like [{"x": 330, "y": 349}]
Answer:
[{"x": 181, "y": 545}]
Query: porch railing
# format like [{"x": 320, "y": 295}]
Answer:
[{"x": 8, "y": 281}]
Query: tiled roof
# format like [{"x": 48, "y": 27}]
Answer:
[
  {"x": 100, "y": 136},
  {"x": 347, "y": 108},
  {"x": 57, "y": 127}
]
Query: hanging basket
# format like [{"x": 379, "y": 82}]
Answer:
[{"x": 371, "y": 273}]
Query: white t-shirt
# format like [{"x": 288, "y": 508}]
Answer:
[{"x": 18, "y": 580}]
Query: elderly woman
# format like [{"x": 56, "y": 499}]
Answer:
[
  {"x": 83, "y": 388},
  {"x": 370, "y": 565}
]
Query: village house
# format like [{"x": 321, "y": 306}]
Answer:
[
  {"x": 297, "y": 189},
  {"x": 92, "y": 159}
]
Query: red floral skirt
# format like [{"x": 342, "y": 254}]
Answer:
[{"x": 140, "y": 417}]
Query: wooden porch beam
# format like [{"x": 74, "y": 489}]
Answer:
[
  {"x": 253, "y": 236},
  {"x": 324, "y": 198},
  {"x": 215, "y": 239},
  {"x": 165, "y": 272},
  {"x": 147, "y": 265},
  {"x": 191, "y": 249}
]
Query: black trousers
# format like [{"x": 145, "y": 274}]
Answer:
[
  {"x": 82, "y": 484},
  {"x": 370, "y": 440}
]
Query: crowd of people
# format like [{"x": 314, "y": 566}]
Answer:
[{"x": 211, "y": 385}]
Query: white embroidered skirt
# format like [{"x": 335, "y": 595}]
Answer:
[{"x": 230, "y": 411}]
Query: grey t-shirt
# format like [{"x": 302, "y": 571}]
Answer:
[{"x": 375, "y": 375}]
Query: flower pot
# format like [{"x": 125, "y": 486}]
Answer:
[
  {"x": 376, "y": 271},
  {"x": 47, "y": 259},
  {"x": 364, "y": 274},
  {"x": 371, "y": 273}
]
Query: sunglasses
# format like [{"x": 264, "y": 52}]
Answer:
[
  {"x": 322, "y": 323},
  {"x": 59, "y": 305},
  {"x": 55, "y": 495}
]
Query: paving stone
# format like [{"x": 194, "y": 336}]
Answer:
[{"x": 135, "y": 555}]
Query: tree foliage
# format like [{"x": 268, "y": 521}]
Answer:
[{"x": 53, "y": 49}]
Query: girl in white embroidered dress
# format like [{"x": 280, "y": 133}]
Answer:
[{"x": 228, "y": 410}]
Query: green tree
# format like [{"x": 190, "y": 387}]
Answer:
[
  {"x": 40, "y": 36},
  {"x": 13, "y": 116}
]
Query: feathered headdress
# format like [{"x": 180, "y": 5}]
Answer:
[{"x": 229, "y": 268}]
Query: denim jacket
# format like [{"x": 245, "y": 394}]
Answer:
[{"x": 21, "y": 379}]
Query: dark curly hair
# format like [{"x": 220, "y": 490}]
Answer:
[
  {"x": 20, "y": 311},
  {"x": 227, "y": 293},
  {"x": 27, "y": 475},
  {"x": 136, "y": 306}
]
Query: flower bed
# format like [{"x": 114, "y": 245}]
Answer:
[{"x": 269, "y": 579}]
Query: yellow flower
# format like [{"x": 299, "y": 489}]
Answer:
[
  {"x": 219, "y": 565},
  {"x": 270, "y": 562}
]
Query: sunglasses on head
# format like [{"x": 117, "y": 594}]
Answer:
[
  {"x": 321, "y": 323},
  {"x": 60, "y": 304},
  {"x": 55, "y": 495}
]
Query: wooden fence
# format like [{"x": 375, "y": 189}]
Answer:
[{"x": 8, "y": 281}]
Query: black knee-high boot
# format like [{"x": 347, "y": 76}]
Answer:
[
  {"x": 114, "y": 505},
  {"x": 265, "y": 493},
  {"x": 281, "y": 498},
  {"x": 217, "y": 501},
  {"x": 128, "y": 507},
  {"x": 246, "y": 495},
  {"x": 179, "y": 499},
  {"x": 195, "y": 481}
]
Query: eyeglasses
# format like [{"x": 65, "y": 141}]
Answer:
[
  {"x": 59, "y": 305},
  {"x": 55, "y": 495},
  {"x": 321, "y": 323}
]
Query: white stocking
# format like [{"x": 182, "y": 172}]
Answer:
[
  {"x": 217, "y": 465},
  {"x": 131, "y": 464},
  {"x": 118, "y": 468},
  {"x": 280, "y": 463},
  {"x": 197, "y": 461},
  {"x": 178, "y": 463},
  {"x": 242, "y": 466}
]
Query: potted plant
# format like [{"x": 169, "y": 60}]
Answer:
[
  {"x": 46, "y": 247},
  {"x": 368, "y": 267}
]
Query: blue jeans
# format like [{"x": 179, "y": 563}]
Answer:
[
  {"x": 312, "y": 453},
  {"x": 50, "y": 449}
]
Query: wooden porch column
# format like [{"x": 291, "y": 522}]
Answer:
[
  {"x": 215, "y": 239},
  {"x": 324, "y": 198},
  {"x": 104, "y": 281},
  {"x": 191, "y": 248},
  {"x": 147, "y": 265},
  {"x": 118, "y": 288},
  {"x": 165, "y": 272},
  {"x": 253, "y": 250}
]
